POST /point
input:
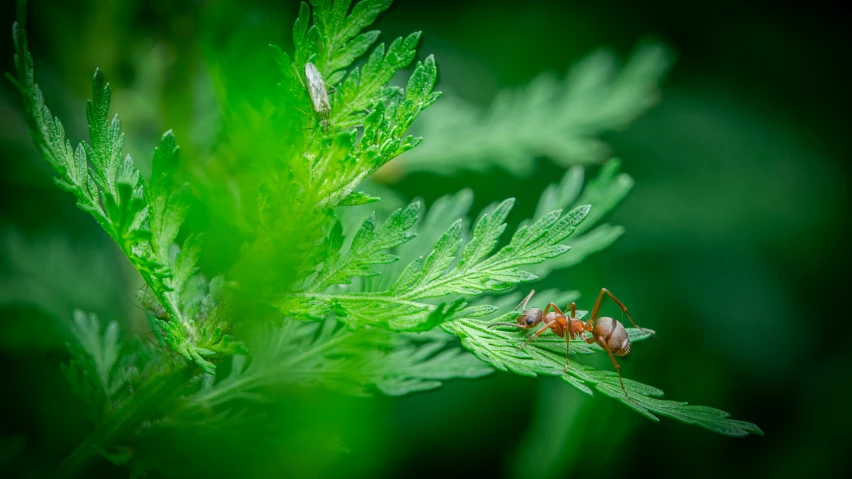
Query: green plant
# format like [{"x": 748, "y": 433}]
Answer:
[
  {"x": 306, "y": 300},
  {"x": 557, "y": 119}
]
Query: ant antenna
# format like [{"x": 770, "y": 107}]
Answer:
[{"x": 523, "y": 304}]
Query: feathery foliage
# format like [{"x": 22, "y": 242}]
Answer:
[
  {"x": 142, "y": 219},
  {"x": 442, "y": 272},
  {"x": 604, "y": 192},
  {"x": 548, "y": 117},
  {"x": 355, "y": 362},
  {"x": 307, "y": 302},
  {"x": 546, "y": 356},
  {"x": 94, "y": 373}
]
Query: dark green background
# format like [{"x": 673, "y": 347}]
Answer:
[{"x": 736, "y": 249}]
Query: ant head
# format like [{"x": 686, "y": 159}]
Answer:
[{"x": 530, "y": 317}]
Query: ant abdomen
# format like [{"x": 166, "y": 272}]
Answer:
[{"x": 614, "y": 334}]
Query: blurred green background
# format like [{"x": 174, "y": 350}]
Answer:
[{"x": 735, "y": 251}]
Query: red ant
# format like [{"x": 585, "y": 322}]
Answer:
[{"x": 607, "y": 332}]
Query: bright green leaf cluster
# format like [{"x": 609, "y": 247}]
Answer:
[
  {"x": 143, "y": 219},
  {"x": 339, "y": 33},
  {"x": 368, "y": 247},
  {"x": 443, "y": 272},
  {"x": 360, "y": 98}
]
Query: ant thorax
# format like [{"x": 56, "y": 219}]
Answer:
[{"x": 576, "y": 325}]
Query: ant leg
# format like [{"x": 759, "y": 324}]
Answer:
[
  {"x": 523, "y": 304},
  {"x": 617, "y": 368},
  {"x": 568, "y": 347},
  {"x": 620, "y": 305},
  {"x": 554, "y": 308},
  {"x": 537, "y": 333},
  {"x": 570, "y": 334},
  {"x": 573, "y": 308}
]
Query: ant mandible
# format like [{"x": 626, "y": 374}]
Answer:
[{"x": 609, "y": 333}]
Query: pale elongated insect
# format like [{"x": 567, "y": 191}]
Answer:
[{"x": 319, "y": 96}]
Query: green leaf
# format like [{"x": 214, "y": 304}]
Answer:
[
  {"x": 548, "y": 117},
  {"x": 485, "y": 235},
  {"x": 546, "y": 355},
  {"x": 417, "y": 367},
  {"x": 340, "y": 34},
  {"x": 163, "y": 165},
  {"x": 355, "y": 362},
  {"x": 185, "y": 267},
  {"x": 301, "y": 40},
  {"x": 93, "y": 372},
  {"x": 443, "y": 213},
  {"x": 369, "y": 247},
  {"x": 404, "y": 305},
  {"x": 606, "y": 191},
  {"x": 357, "y": 198},
  {"x": 143, "y": 220},
  {"x": 363, "y": 88},
  {"x": 337, "y": 158},
  {"x": 603, "y": 193}
]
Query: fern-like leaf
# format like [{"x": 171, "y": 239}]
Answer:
[
  {"x": 546, "y": 356},
  {"x": 143, "y": 220},
  {"x": 368, "y": 247},
  {"x": 605, "y": 191},
  {"x": 94, "y": 371},
  {"x": 402, "y": 306},
  {"x": 324, "y": 353},
  {"x": 339, "y": 33},
  {"x": 560, "y": 120}
]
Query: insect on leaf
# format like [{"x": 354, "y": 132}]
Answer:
[{"x": 316, "y": 87}]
